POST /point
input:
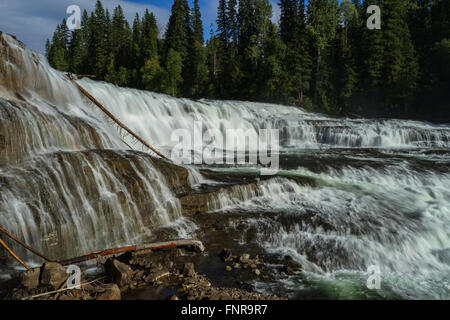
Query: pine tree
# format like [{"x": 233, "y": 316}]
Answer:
[
  {"x": 120, "y": 50},
  {"x": 57, "y": 51},
  {"x": 78, "y": 48},
  {"x": 297, "y": 61},
  {"x": 274, "y": 75},
  {"x": 372, "y": 54},
  {"x": 150, "y": 34},
  {"x": 97, "y": 43},
  {"x": 212, "y": 52},
  {"x": 178, "y": 36},
  {"x": 137, "y": 60},
  {"x": 151, "y": 71},
  {"x": 222, "y": 57},
  {"x": 440, "y": 12},
  {"x": 245, "y": 80},
  {"x": 48, "y": 47},
  {"x": 323, "y": 22},
  {"x": 108, "y": 27},
  {"x": 400, "y": 69},
  {"x": 233, "y": 26},
  {"x": 198, "y": 76},
  {"x": 197, "y": 24},
  {"x": 174, "y": 67},
  {"x": 346, "y": 69}
]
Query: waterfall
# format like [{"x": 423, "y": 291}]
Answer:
[
  {"x": 69, "y": 183},
  {"x": 349, "y": 193}
]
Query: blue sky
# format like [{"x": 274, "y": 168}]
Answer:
[{"x": 33, "y": 21}]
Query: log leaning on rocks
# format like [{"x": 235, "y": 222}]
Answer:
[
  {"x": 13, "y": 254},
  {"x": 197, "y": 245}
]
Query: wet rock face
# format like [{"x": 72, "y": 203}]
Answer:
[
  {"x": 26, "y": 130},
  {"x": 7, "y": 55},
  {"x": 210, "y": 200},
  {"x": 21, "y": 69},
  {"x": 113, "y": 195}
]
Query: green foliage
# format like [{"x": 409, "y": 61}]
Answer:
[
  {"x": 174, "y": 69},
  {"x": 57, "y": 52},
  {"x": 321, "y": 55}
]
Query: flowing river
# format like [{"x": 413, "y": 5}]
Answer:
[{"x": 349, "y": 194}]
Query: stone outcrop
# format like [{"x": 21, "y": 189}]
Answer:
[
  {"x": 30, "y": 279},
  {"x": 53, "y": 275},
  {"x": 210, "y": 200},
  {"x": 118, "y": 272}
]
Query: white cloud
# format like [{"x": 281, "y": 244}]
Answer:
[{"x": 33, "y": 22}]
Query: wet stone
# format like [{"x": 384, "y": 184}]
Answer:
[
  {"x": 119, "y": 272},
  {"x": 30, "y": 279},
  {"x": 112, "y": 292},
  {"x": 54, "y": 275}
]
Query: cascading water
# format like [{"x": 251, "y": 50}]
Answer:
[
  {"x": 349, "y": 193},
  {"x": 68, "y": 184}
]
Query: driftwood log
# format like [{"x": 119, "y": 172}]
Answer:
[{"x": 197, "y": 245}]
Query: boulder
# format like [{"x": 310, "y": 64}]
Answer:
[
  {"x": 119, "y": 272},
  {"x": 53, "y": 275},
  {"x": 112, "y": 292},
  {"x": 30, "y": 278},
  {"x": 189, "y": 269}
]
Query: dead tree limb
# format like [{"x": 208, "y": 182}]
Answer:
[
  {"x": 23, "y": 244},
  {"x": 61, "y": 290},
  {"x": 197, "y": 245},
  {"x": 112, "y": 117},
  {"x": 14, "y": 255}
]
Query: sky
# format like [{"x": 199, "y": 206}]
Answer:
[{"x": 34, "y": 21}]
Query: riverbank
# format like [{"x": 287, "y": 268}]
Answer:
[{"x": 147, "y": 275}]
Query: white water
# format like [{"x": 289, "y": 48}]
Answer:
[
  {"x": 396, "y": 216},
  {"x": 396, "y": 219}
]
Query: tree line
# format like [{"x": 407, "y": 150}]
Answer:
[{"x": 321, "y": 55}]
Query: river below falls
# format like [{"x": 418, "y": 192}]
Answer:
[{"x": 340, "y": 211}]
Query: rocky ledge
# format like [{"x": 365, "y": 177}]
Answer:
[{"x": 154, "y": 275}]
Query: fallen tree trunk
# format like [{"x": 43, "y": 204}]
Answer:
[
  {"x": 23, "y": 244},
  {"x": 197, "y": 245},
  {"x": 113, "y": 118},
  {"x": 14, "y": 255}
]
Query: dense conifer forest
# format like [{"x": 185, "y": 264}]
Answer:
[{"x": 320, "y": 55}]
